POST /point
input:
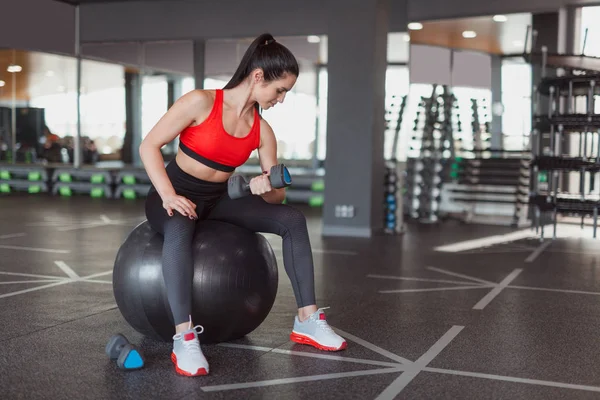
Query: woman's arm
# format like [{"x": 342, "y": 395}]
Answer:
[
  {"x": 267, "y": 154},
  {"x": 182, "y": 114}
]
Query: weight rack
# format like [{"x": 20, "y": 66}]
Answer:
[{"x": 569, "y": 102}]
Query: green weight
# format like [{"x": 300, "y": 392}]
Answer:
[
  {"x": 65, "y": 191},
  {"x": 65, "y": 177},
  {"x": 4, "y": 188},
  {"x": 5, "y": 175},
  {"x": 34, "y": 176},
  {"x": 318, "y": 186},
  {"x": 34, "y": 189},
  {"x": 316, "y": 201},
  {"x": 97, "y": 192},
  {"x": 97, "y": 178},
  {"x": 129, "y": 179},
  {"x": 129, "y": 194}
]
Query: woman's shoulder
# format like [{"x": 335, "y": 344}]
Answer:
[{"x": 201, "y": 97}]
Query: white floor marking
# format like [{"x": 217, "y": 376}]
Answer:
[
  {"x": 246, "y": 347},
  {"x": 31, "y": 281},
  {"x": 67, "y": 270},
  {"x": 34, "y": 289},
  {"x": 373, "y": 347},
  {"x": 311, "y": 355},
  {"x": 97, "y": 281},
  {"x": 553, "y": 290},
  {"x": 12, "y": 235},
  {"x": 286, "y": 381},
  {"x": 491, "y": 285},
  {"x": 105, "y": 219},
  {"x": 538, "y": 251},
  {"x": 97, "y": 275},
  {"x": 33, "y": 275},
  {"x": 443, "y": 289},
  {"x": 339, "y": 358},
  {"x": 497, "y": 290},
  {"x": 514, "y": 379},
  {"x": 443, "y": 271},
  {"x": 408, "y": 372},
  {"x": 403, "y": 380},
  {"x": 424, "y": 280},
  {"x": 34, "y": 249}
]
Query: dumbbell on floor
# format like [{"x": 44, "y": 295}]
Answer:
[
  {"x": 127, "y": 356},
  {"x": 238, "y": 187}
]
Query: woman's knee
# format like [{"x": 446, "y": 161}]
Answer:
[
  {"x": 179, "y": 228},
  {"x": 292, "y": 218}
]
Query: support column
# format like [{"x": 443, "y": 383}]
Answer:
[
  {"x": 355, "y": 117},
  {"x": 133, "y": 117},
  {"x": 496, "y": 127},
  {"x": 199, "y": 65}
]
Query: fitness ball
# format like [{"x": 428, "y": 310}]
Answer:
[{"x": 233, "y": 289}]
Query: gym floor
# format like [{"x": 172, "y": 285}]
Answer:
[{"x": 515, "y": 319}]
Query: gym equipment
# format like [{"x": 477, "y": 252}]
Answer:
[
  {"x": 394, "y": 169},
  {"x": 234, "y": 285},
  {"x": 132, "y": 183},
  {"x": 238, "y": 187},
  {"x": 565, "y": 106},
  {"x": 23, "y": 178},
  {"x": 94, "y": 182},
  {"x": 127, "y": 355},
  {"x": 431, "y": 149},
  {"x": 488, "y": 190}
]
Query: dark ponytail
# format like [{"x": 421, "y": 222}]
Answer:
[{"x": 272, "y": 57}]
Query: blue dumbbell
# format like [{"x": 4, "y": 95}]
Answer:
[{"x": 127, "y": 356}]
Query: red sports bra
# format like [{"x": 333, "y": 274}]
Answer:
[{"x": 211, "y": 145}]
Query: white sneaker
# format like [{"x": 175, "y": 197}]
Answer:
[
  {"x": 316, "y": 332},
  {"x": 187, "y": 355}
]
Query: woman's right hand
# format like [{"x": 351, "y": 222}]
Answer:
[{"x": 178, "y": 203}]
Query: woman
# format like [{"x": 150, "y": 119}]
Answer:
[{"x": 218, "y": 131}]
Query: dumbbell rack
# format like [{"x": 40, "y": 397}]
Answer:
[
  {"x": 557, "y": 157},
  {"x": 393, "y": 216},
  {"x": 431, "y": 150}
]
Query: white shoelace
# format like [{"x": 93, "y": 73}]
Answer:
[
  {"x": 322, "y": 323},
  {"x": 191, "y": 346}
]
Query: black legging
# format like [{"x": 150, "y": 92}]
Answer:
[{"x": 251, "y": 212}]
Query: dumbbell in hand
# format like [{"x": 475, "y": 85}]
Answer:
[
  {"x": 238, "y": 187},
  {"x": 127, "y": 356}
]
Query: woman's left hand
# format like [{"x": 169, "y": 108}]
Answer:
[{"x": 260, "y": 185}]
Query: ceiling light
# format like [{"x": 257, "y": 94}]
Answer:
[
  {"x": 469, "y": 34},
  {"x": 406, "y": 37},
  {"x": 313, "y": 39},
  {"x": 2, "y": 83},
  {"x": 415, "y": 26},
  {"x": 14, "y": 68},
  {"x": 500, "y": 18}
]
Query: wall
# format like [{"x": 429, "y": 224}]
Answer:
[{"x": 38, "y": 25}]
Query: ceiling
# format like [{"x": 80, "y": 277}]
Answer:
[{"x": 492, "y": 37}]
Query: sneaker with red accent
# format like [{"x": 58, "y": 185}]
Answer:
[
  {"x": 316, "y": 332},
  {"x": 187, "y": 355}
]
